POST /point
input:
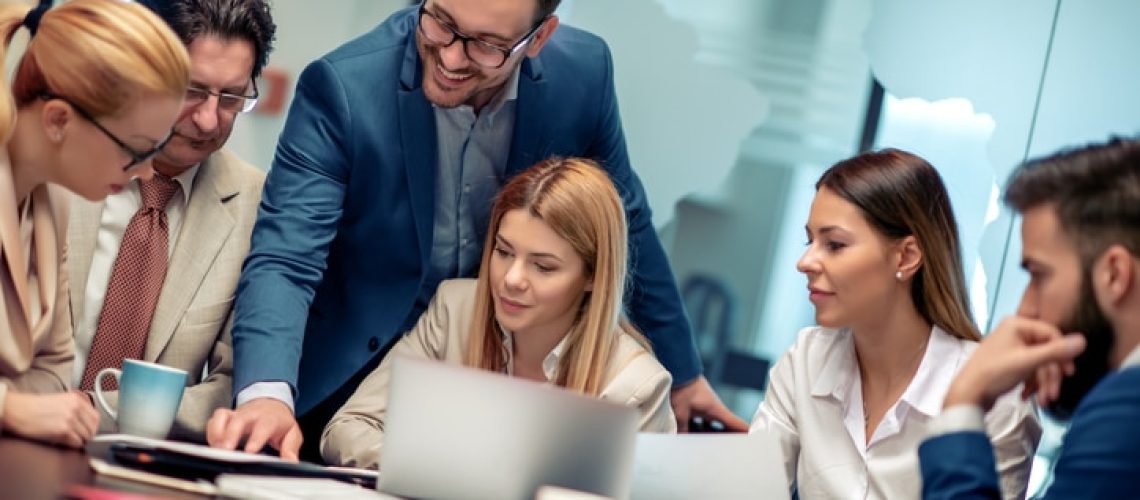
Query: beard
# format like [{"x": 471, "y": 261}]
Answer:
[{"x": 1093, "y": 363}]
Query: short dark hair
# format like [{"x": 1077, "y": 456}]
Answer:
[
  {"x": 546, "y": 8},
  {"x": 1094, "y": 189},
  {"x": 249, "y": 20}
]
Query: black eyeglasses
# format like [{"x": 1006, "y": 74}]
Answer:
[
  {"x": 137, "y": 157},
  {"x": 230, "y": 103},
  {"x": 488, "y": 55}
]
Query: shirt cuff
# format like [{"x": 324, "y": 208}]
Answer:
[
  {"x": 273, "y": 390},
  {"x": 959, "y": 418}
]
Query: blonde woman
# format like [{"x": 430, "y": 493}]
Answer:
[
  {"x": 546, "y": 307},
  {"x": 91, "y": 101},
  {"x": 853, "y": 397}
]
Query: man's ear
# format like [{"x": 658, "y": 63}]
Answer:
[
  {"x": 909, "y": 256},
  {"x": 542, "y": 36},
  {"x": 1114, "y": 276},
  {"x": 56, "y": 117}
]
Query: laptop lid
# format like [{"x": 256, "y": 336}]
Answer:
[
  {"x": 685, "y": 466},
  {"x": 460, "y": 433}
]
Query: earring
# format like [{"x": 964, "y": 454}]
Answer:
[{"x": 898, "y": 275}]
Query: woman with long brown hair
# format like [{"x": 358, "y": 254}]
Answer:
[
  {"x": 92, "y": 100},
  {"x": 852, "y": 398},
  {"x": 547, "y": 306}
]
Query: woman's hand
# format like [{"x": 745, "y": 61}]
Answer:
[{"x": 66, "y": 418}]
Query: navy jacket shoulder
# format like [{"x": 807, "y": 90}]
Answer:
[{"x": 1100, "y": 454}]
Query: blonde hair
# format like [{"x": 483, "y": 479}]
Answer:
[
  {"x": 102, "y": 55},
  {"x": 578, "y": 201}
]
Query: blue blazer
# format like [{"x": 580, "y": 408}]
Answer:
[
  {"x": 339, "y": 256},
  {"x": 1100, "y": 454}
]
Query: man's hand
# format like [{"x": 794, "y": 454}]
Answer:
[
  {"x": 65, "y": 418},
  {"x": 260, "y": 421},
  {"x": 1019, "y": 350},
  {"x": 697, "y": 398}
]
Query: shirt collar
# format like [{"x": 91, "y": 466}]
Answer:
[
  {"x": 549, "y": 363},
  {"x": 839, "y": 368},
  {"x": 185, "y": 181},
  {"x": 1132, "y": 359},
  {"x": 944, "y": 356}
]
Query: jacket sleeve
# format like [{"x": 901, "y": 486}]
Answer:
[
  {"x": 1014, "y": 432},
  {"x": 959, "y": 466},
  {"x": 650, "y": 386},
  {"x": 653, "y": 300},
  {"x": 1100, "y": 454},
  {"x": 300, "y": 210},
  {"x": 354, "y": 436}
]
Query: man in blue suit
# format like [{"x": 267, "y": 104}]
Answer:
[
  {"x": 1075, "y": 340},
  {"x": 395, "y": 145}
]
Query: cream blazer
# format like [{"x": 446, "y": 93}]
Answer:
[
  {"x": 34, "y": 356},
  {"x": 192, "y": 320},
  {"x": 355, "y": 434}
]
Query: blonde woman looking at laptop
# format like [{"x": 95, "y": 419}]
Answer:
[
  {"x": 91, "y": 101},
  {"x": 547, "y": 306},
  {"x": 853, "y": 397}
]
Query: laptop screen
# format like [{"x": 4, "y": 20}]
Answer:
[{"x": 456, "y": 432}]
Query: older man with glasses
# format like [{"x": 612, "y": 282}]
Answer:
[
  {"x": 153, "y": 269},
  {"x": 395, "y": 145}
]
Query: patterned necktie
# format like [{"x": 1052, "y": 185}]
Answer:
[{"x": 136, "y": 280}]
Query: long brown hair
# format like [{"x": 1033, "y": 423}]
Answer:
[
  {"x": 901, "y": 195},
  {"x": 578, "y": 201}
]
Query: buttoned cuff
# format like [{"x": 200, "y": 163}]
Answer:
[
  {"x": 958, "y": 418},
  {"x": 273, "y": 390}
]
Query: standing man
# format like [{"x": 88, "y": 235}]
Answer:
[
  {"x": 394, "y": 147},
  {"x": 154, "y": 268},
  {"x": 1079, "y": 319}
]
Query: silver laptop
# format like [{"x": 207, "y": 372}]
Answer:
[
  {"x": 686, "y": 466},
  {"x": 458, "y": 433}
]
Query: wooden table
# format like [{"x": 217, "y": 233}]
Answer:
[{"x": 34, "y": 471}]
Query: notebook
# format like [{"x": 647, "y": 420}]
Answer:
[
  {"x": 191, "y": 462},
  {"x": 685, "y": 466},
  {"x": 459, "y": 433}
]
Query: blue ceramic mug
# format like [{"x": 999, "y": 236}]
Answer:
[{"x": 149, "y": 395}]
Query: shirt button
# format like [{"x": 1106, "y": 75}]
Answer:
[
  {"x": 373, "y": 344},
  {"x": 466, "y": 188},
  {"x": 463, "y": 241}
]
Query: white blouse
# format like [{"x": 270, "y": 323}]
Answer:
[{"x": 814, "y": 407}]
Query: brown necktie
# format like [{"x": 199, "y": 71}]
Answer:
[{"x": 136, "y": 280}]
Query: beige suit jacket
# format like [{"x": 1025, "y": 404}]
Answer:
[
  {"x": 355, "y": 434},
  {"x": 191, "y": 325},
  {"x": 34, "y": 356}
]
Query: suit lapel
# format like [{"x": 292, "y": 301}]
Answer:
[
  {"x": 46, "y": 246},
  {"x": 206, "y": 225},
  {"x": 418, "y": 143},
  {"x": 530, "y": 130},
  {"x": 12, "y": 245},
  {"x": 82, "y": 233}
]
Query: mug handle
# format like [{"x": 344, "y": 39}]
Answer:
[{"x": 114, "y": 372}]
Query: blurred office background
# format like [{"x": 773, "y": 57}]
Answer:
[{"x": 732, "y": 109}]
